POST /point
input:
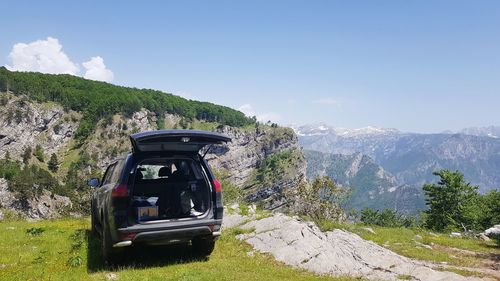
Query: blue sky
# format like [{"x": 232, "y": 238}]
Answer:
[{"x": 423, "y": 66}]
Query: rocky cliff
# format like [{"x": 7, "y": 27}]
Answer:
[
  {"x": 25, "y": 123},
  {"x": 47, "y": 205},
  {"x": 249, "y": 149}
]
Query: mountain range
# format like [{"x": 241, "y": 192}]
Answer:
[{"x": 406, "y": 159}]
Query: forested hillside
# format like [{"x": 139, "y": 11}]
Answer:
[{"x": 98, "y": 100}]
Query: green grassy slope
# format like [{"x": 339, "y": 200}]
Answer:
[{"x": 65, "y": 251}]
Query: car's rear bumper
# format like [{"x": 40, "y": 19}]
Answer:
[{"x": 167, "y": 232}]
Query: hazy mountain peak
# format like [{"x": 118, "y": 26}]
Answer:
[
  {"x": 324, "y": 129},
  {"x": 369, "y": 130},
  {"x": 489, "y": 131}
]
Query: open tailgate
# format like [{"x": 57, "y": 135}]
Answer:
[{"x": 175, "y": 140}]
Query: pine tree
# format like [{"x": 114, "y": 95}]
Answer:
[{"x": 53, "y": 163}]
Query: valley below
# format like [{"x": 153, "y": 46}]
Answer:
[{"x": 387, "y": 168}]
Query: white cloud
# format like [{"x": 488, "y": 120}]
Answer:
[
  {"x": 42, "y": 56},
  {"x": 262, "y": 117},
  {"x": 270, "y": 116},
  {"x": 327, "y": 101},
  {"x": 96, "y": 70},
  {"x": 183, "y": 94},
  {"x": 46, "y": 56},
  {"x": 247, "y": 109}
]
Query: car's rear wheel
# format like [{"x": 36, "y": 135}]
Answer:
[
  {"x": 93, "y": 229},
  {"x": 203, "y": 246},
  {"x": 110, "y": 255}
]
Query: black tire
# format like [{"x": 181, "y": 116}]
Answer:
[
  {"x": 203, "y": 246},
  {"x": 110, "y": 255},
  {"x": 93, "y": 229}
]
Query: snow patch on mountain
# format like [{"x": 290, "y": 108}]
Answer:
[
  {"x": 490, "y": 131},
  {"x": 323, "y": 129}
]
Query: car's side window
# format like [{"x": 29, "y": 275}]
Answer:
[
  {"x": 117, "y": 169},
  {"x": 107, "y": 176}
]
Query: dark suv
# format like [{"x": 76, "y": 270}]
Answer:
[{"x": 163, "y": 192}]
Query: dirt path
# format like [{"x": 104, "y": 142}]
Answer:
[{"x": 303, "y": 245}]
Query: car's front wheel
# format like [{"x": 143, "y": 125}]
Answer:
[{"x": 203, "y": 246}]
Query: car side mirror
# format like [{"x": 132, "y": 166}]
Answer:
[{"x": 93, "y": 182}]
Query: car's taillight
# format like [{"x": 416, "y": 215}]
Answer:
[
  {"x": 217, "y": 186},
  {"x": 128, "y": 236},
  {"x": 120, "y": 191}
]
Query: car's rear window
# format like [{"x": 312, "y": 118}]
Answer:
[{"x": 187, "y": 169}]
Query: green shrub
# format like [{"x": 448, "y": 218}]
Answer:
[
  {"x": 490, "y": 206},
  {"x": 388, "y": 218},
  {"x": 76, "y": 181},
  {"x": 319, "y": 200},
  {"x": 74, "y": 261},
  {"x": 39, "y": 153},
  {"x": 35, "y": 231},
  {"x": 9, "y": 169},
  {"x": 31, "y": 180},
  {"x": 278, "y": 166},
  {"x": 28, "y": 181},
  {"x": 78, "y": 239}
]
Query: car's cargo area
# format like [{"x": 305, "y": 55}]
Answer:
[{"x": 166, "y": 188}]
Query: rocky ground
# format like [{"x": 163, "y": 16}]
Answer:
[
  {"x": 303, "y": 245},
  {"x": 45, "y": 206}
]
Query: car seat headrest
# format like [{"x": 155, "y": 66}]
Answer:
[
  {"x": 140, "y": 175},
  {"x": 164, "y": 172}
]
